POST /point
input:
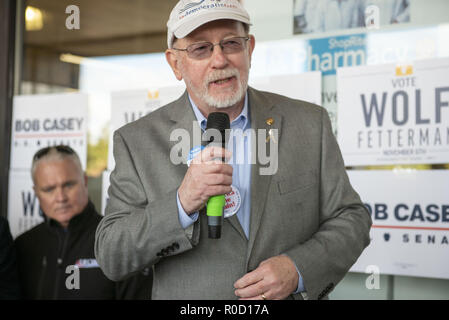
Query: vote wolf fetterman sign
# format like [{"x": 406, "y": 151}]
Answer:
[{"x": 394, "y": 114}]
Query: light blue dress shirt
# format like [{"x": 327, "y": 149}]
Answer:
[{"x": 241, "y": 175}]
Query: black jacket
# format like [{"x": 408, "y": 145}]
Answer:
[
  {"x": 47, "y": 253},
  {"x": 9, "y": 280}
]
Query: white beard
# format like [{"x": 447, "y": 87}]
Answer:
[{"x": 224, "y": 100}]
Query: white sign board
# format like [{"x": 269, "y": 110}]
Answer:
[
  {"x": 393, "y": 114},
  {"x": 410, "y": 211},
  {"x": 23, "y": 205},
  {"x": 303, "y": 86},
  {"x": 129, "y": 106},
  {"x": 45, "y": 120}
]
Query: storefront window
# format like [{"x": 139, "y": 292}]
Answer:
[{"x": 93, "y": 47}]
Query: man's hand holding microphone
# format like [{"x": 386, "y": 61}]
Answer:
[
  {"x": 207, "y": 176},
  {"x": 210, "y": 179}
]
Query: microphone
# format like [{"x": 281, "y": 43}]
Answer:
[{"x": 215, "y": 205}]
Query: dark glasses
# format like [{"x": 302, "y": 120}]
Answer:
[{"x": 60, "y": 148}]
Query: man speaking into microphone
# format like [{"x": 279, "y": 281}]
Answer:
[{"x": 292, "y": 233}]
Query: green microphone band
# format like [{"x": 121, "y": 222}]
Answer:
[{"x": 215, "y": 207}]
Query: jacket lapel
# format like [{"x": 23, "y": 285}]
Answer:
[
  {"x": 182, "y": 117},
  {"x": 263, "y": 116}
]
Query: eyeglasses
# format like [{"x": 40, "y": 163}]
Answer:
[
  {"x": 61, "y": 148},
  {"x": 203, "y": 50}
]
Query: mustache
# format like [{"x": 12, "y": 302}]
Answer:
[{"x": 222, "y": 74}]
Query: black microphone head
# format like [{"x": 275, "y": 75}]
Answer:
[
  {"x": 219, "y": 121},
  {"x": 216, "y": 121}
]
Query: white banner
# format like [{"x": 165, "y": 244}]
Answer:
[
  {"x": 45, "y": 120},
  {"x": 23, "y": 205},
  {"x": 393, "y": 114},
  {"x": 128, "y": 106},
  {"x": 304, "y": 86},
  {"x": 410, "y": 211}
]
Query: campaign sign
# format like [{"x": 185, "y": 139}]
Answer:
[
  {"x": 131, "y": 105},
  {"x": 410, "y": 212},
  {"x": 46, "y": 120},
  {"x": 304, "y": 86},
  {"x": 394, "y": 114},
  {"x": 23, "y": 205},
  {"x": 299, "y": 54}
]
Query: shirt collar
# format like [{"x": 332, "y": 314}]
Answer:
[
  {"x": 77, "y": 221},
  {"x": 241, "y": 122}
]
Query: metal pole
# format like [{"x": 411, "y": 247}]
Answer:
[{"x": 7, "y": 38}]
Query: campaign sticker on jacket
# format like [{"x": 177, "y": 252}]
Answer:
[{"x": 233, "y": 202}]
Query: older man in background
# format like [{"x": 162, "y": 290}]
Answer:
[{"x": 56, "y": 258}]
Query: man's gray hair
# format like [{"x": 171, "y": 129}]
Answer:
[{"x": 55, "y": 153}]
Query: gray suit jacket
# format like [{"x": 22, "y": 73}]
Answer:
[{"x": 307, "y": 210}]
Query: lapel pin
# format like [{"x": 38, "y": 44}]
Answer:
[
  {"x": 270, "y": 121},
  {"x": 271, "y": 136}
]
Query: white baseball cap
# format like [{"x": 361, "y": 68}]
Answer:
[{"x": 188, "y": 15}]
